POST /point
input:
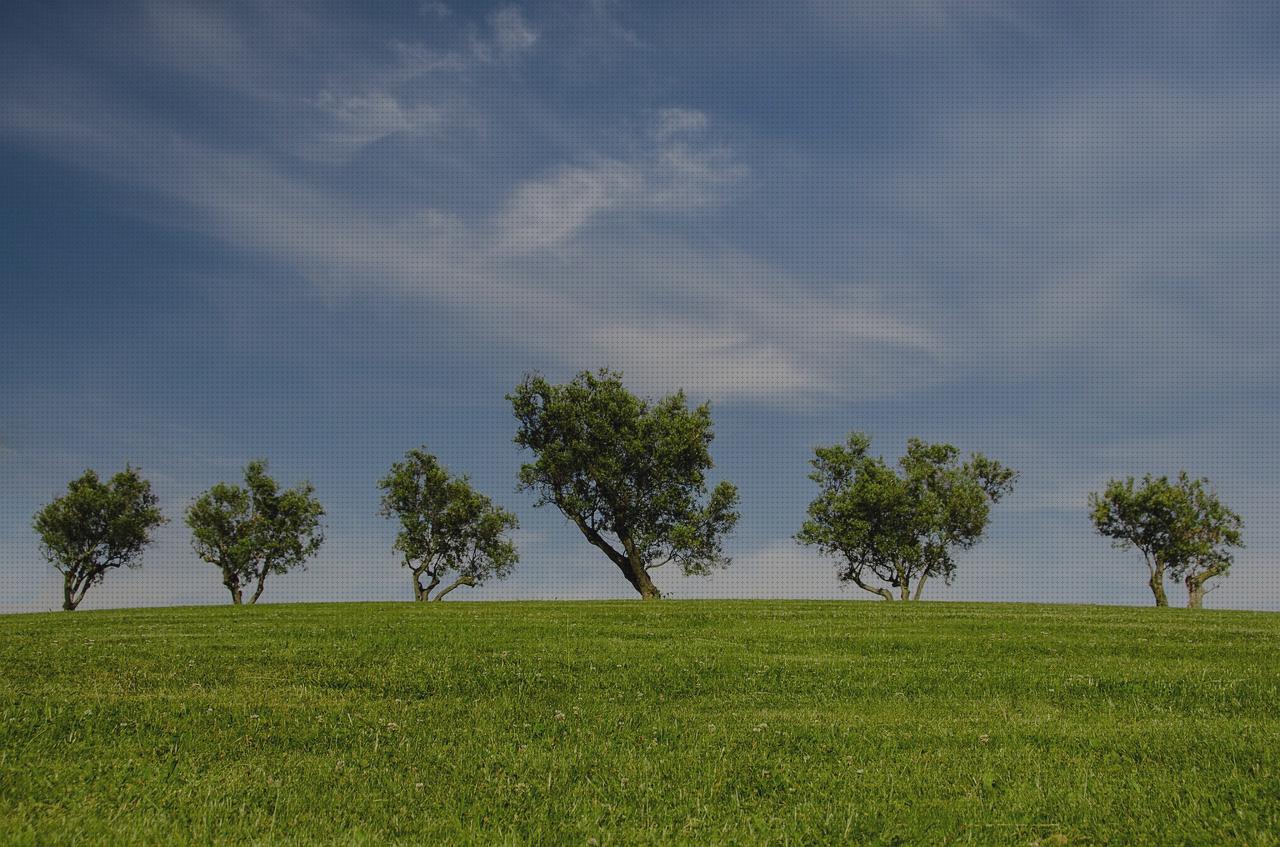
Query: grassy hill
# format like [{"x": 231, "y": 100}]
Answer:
[{"x": 625, "y": 723}]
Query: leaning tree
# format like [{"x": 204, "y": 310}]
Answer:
[
  {"x": 251, "y": 531},
  {"x": 446, "y": 526},
  {"x": 629, "y": 473},
  {"x": 1181, "y": 528},
  {"x": 96, "y": 527},
  {"x": 896, "y": 528}
]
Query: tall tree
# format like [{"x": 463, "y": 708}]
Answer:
[
  {"x": 96, "y": 527},
  {"x": 252, "y": 531},
  {"x": 446, "y": 526},
  {"x": 1181, "y": 528},
  {"x": 629, "y": 473},
  {"x": 898, "y": 527}
]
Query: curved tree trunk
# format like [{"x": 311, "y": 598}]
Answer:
[
  {"x": 644, "y": 584},
  {"x": 1196, "y": 587},
  {"x": 233, "y": 585},
  {"x": 920, "y": 586},
  {"x": 879, "y": 591},
  {"x": 629, "y": 562},
  {"x": 462, "y": 580},
  {"x": 633, "y": 568},
  {"x": 1195, "y": 594},
  {"x": 257, "y": 592},
  {"x": 1157, "y": 587},
  {"x": 69, "y": 601},
  {"x": 422, "y": 592}
]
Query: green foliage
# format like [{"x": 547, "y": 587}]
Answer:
[
  {"x": 1181, "y": 528},
  {"x": 96, "y": 527},
  {"x": 252, "y": 531},
  {"x": 446, "y": 526},
  {"x": 788, "y": 723},
  {"x": 630, "y": 473},
  {"x": 900, "y": 527}
]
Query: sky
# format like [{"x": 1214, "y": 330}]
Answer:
[{"x": 323, "y": 234}]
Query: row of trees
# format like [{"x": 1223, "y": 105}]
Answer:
[{"x": 631, "y": 475}]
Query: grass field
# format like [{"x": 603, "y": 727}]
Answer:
[{"x": 626, "y": 723}]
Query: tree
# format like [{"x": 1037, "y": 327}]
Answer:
[
  {"x": 256, "y": 530},
  {"x": 1181, "y": 528},
  {"x": 629, "y": 473},
  {"x": 96, "y": 527},
  {"x": 900, "y": 528},
  {"x": 446, "y": 526}
]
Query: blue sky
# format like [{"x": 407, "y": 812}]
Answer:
[{"x": 324, "y": 234}]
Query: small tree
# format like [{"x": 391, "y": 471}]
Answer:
[
  {"x": 1181, "y": 528},
  {"x": 96, "y": 527},
  {"x": 446, "y": 526},
  {"x": 256, "y": 530},
  {"x": 900, "y": 528},
  {"x": 629, "y": 473}
]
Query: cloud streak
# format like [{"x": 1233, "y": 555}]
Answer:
[{"x": 717, "y": 322}]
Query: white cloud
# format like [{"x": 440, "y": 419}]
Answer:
[
  {"x": 545, "y": 212},
  {"x": 678, "y": 120},
  {"x": 675, "y": 175},
  {"x": 512, "y": 33},
  {"x": 361, "y": 119},
  {"x": 1119, "y": 229},
  {"x": 716, "y": 363},
  {"x": 416, "y": 60}
]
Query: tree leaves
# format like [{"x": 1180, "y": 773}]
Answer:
[
  {"x": 255, "y": 530},
  {"x": 446, "y": 525},
  {"x": 899, "y": 527},
  {"x": 97, "y": 526},
  {"x": 1181, "y": 528},
  {"x": 630, "y": 473}
]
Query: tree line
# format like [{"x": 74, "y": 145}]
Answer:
[{"x": 631, "y": 475}]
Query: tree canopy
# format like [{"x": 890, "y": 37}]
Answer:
[
  {"x": 898, "y": 527},
  {"x": 96, "y": 527},
  {"x": 1181, "y": 528},
  {"x": 629, "y": 473},
  {"x": 255, "y": 530},
  {"x": 446, "y": 526}
]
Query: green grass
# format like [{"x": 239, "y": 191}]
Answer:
[{"x": 626, "y": 723}]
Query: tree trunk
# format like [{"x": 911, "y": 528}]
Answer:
[
  {"x": 920, "y": 586},
  {"x": 643, "y": 584},
  {"x": 1196, "y": 586},
  {"x": 639, "y": 578},
  {"x": 257, "y": 592},
  {"x": 905, "y": 588},
  {"x": 629, "y": 562},
  {"x": 1195, "y": 594},
  {"x": 69, "y": 602},
  {"x": 422, "y": 593},
  {"x": 879, "y": 591},
  {"x": 637, "y": 574},
  {"x": 462, "y": 580},
  {"x": 1157, "y": 587},
  {"x": 233, "y": 585}
]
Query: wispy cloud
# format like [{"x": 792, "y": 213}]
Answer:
[
  {"x": 512, "y": 33},
  {"x": 1091, "y": 224},
  {"x": 676, "y": 174},
  {"x": 678, "y": 121},
  {"x": 719, "y": 324},
  {"x": 545, "y": 212}
]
